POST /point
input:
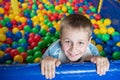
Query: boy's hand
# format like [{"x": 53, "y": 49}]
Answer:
[
  {"x": 102, "y": 64},
  {"x": 48, "y": 65}
]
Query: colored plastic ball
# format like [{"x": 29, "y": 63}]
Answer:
[
  {"x": 7, "y": 56},
  {"x": 110, "y": 30},
  {"x": 2, "y": 37},
  {"x": 37, "y": 54},
  {"x": 108, "y": 50},
  {"x": 37, "y": 38},
  {"x": 37, "y": 60},
  {"x": 24, "y": 55},
  {"x": 4, "y": 46},
  {"x": 18, "y": 58},
  {"x": 1, "y": 53},
  {"x": 99, "y": 47},
  {"x": 107, "y": 22},
  {"x": 110, "y": 43},
  {"x": 2, "y": 10},
  {"x": 52, "y": 30},
  {"x": 30, "y": 52},
  {"x": 43, "y": 32},
  {"x": 21, "y": 49},
  {"x": 35, "y": 30},
  {"x": 8, "y": 62},
  {"x": 27, "y": 28},
  {"x": 102, "y": 53},
  {"x": 14, "y": 52},
  {"x": 30, "y": 59},
  {"x": 42, "y": 44},
  {"x": 116, "y": 48},
  {"x": 105, "y": 37},
  {"x": 118, "y": 44},
  {"x": 116, "y": 38},
  {"x": 116, "y": 55}
]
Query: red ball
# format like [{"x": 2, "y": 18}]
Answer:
[
  {"x": 95, "y": 26},
  {"x": 8, "y": 50},
  {"x": 14, "y": 52},
  {"x": 33, "y": 44},
  {"x": 14, "y": 22},
  {"x": 37, "y": 38},
  {"x": 31, "y": 35},
  {"x": 97, "y": 16},
  {"x": 8, "y": 41},
  {"x": 24, "y": 55},
  {"x": 30, "y": 40}
]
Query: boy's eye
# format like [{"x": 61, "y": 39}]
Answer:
[
  {"x": 67, "y": 41},
  {"x": 81, "y": 42}
]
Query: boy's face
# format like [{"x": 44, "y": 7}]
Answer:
[{"x": 74, "y": 43}]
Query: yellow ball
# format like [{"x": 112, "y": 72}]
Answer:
[
  {"x": 22, "y": 19},
  {"x": 64, "y": 9},
  {"x": 93, "y": 42},
  {"x": 103, "y": 30},
  {"x": 2, "y": 37},
  {"x": 17, "y": 18},
  {"x": 93, "y": 21},
  {"x": 118, "y": 44},
  {"x": 2, "y": 10},
  {"x": 23, "y": 32},
  {"x": 110, "y": 30},
  {"x": 107, "y": 22},
  {"x": 57, "y": 7},
  {"x": 24, "y": 5},
  {"x": 1, "y": 53},
  {"x": 18, "y": 58},
  {"x": 37, "y": 60},
  {"x": 4, "y": 29},
  {"x": 15, "y": 30},
  {"x": 99, "y": 47},
  {"x": 96, "y": 31}
]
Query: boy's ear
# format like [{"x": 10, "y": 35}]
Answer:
[{"x": 90, "y": 39}]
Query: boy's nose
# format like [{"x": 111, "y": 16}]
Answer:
[{"x": 73, "y": 48}]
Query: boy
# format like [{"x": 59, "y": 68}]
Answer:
[{"x": 74, "y": 46}]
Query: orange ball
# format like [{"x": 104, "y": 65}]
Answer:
[{"x": 18, "y": 58}]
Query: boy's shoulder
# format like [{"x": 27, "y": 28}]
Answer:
[
  {"x": 55, "y": 45},
  {"x": 93, "y": 49}
]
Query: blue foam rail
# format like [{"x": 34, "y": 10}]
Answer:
[{"x": 73, "y": 71}]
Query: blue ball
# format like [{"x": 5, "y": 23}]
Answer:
[
  {"x": 116, "y": 48},
  {"x": 4, "y": 47},
  {"x": 7, "y": 56},
  {"x": 116, "y": 38},
  {"x": 108, "y": 50},
  {"x": 110, "y": 43},
  {"x": 52, "y": 30}
]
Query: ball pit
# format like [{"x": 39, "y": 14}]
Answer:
[{"x": 36, "y": 26}]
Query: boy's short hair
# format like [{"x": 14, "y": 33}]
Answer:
[{"x": 76, "y": 21}]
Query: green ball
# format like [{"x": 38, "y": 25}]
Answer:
[
  {"x": 35, "y": 30},
  {"x": 30, "y": 52},
  {"x": 105, "y": 37},
  {"x": 47, "y": 39},
  {"x": 49, "y": 34},
  {"x": 80, "y": 10},
  {"x": 102, "y": 53},
  {"x": 27, "y": 28},
  {"x": 21, "y": 49},
  {"x": 37, "y": 48},
  {"x": 38, "y": 54},
  {"x": 30, "y": 59},
  {"x": 116, "y": 55},
  {"x": 8, "y": 62},
  {"x": 115, "y": 33},
  {"x": 99, "y": 36},
  {"x": 93, "y": 9},
  {"x": 57, "y": 34},
  {"x": 49, "y": 24},
  {"x": 43, "y": 32},
  {"x": 42, "y": 44},
  {"x": 3, "y": 22},
  {"x": 22, "y": 40},
  {"x": 6, "y": 19}
]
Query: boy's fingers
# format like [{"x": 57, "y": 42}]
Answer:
[
  {"x": 42, "y": 68},
  {"x": 57, "y": 63}
]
